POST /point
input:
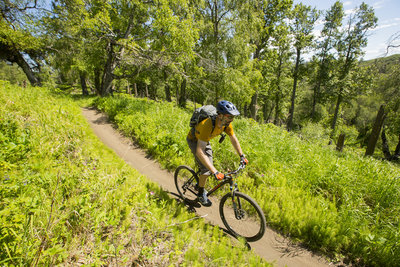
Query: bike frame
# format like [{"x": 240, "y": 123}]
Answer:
[
  {"x": 227, "y": 180},
  {"x": 234, "y": 200}
]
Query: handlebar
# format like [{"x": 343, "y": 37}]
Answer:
[{"x": 241, "y": 167}]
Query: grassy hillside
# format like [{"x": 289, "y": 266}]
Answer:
[
  {"x": 340, "y": 204},
  {"x": 383, "y": 63},
  {"x": 66, "y": 199}
]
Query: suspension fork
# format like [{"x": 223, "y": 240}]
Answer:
[{"x": 236, "y": 202}]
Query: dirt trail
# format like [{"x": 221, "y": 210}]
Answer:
[{"x": 272, "y": 247}]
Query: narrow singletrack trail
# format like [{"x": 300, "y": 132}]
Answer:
[{"x": 272, "y": 247}]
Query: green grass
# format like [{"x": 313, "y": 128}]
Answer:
[
  {"x": 341, "y": 204},
  {"x": 66, "y": 199}
]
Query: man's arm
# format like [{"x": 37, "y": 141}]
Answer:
[
  {"x": 236, "y": 144},
  {"x": 201, "y": 147}
]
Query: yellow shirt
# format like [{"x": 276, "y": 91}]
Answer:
[{"x": 204, "y": 128}]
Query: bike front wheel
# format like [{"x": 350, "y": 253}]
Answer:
[
  {"x": 185, "y": 182},
  {"x": 242, "y": 216}
]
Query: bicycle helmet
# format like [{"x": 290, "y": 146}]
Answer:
[{"x": 226, "y": 107}]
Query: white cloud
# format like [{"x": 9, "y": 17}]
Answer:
[
  {"x": 347, "y": 3},
  {"x": 385, "y": 26},
  {"x": 388, "y": 24},
  {"x": 375, "y": 51},
  {"x": 349, "y": 12},
  {"x": 316, "y": 33},
  {"x": 378, "y": 4},
  {"x": 319, "y": 22}
]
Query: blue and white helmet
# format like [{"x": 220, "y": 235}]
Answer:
[{"x": 226, "y": 107}]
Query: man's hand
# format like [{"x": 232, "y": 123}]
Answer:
[
  {"x": 243, "y": 160},
  {"x": 219, "y": 176}
]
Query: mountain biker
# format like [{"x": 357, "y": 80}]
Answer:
[{"x": 200, "y": 145}]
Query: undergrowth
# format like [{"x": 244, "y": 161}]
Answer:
[
  {"x": 341, "y": 204},
  {"x": 66, "y": 199}
]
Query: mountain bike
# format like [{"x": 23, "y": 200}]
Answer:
[{"x": 241, "y": 215}]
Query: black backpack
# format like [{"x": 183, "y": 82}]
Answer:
[{"x": 202, "y": 113}]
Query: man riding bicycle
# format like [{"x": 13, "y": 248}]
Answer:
[{"x": 199, "y": 143}]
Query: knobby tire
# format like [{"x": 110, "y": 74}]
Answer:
[
  {"x": 251, "y": 226},
  {"x": 185, "y": 180}
]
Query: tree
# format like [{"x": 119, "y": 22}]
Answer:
[
  {"x": 349, "y": 49},
  {"x": 393, "y": 42},
  {"x": 330, "y": 34},
  {"x": 264, "y": 18},
  {"x": 122, "y": 38},
  {"x": 389, "y": 90},
  {"x": 17, "y": 43},
  {"x": 376, "y": 129},
  {"x": 213, "y": 17},
  {"x": 301, "y": 28},
  {"x": 281, "y": 43}
]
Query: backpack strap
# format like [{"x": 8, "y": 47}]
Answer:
[{"x": 214, "y": 119}]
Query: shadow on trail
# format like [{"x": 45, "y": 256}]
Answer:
[{"x": 191, "y": 206}]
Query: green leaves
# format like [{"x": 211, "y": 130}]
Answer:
[
  {"x": 14, "y": 142},
  {"x": 339, "y": 204},
  {"x": 67, "y": 189}
]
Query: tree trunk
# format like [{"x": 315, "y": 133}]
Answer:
[
  {"x": 128, "y": 89},
  {"x": 321, "y": 78},
  {"x": 265, "y": 112},
  {"x": 106, "y": 83},
  {"x": 397, "y": 151},
  {"x": 135, "y": 89},
  {"x": 166, "y": 87},
  {"x": 340, "y": 143},
  {"x": 315, "y": 97},
  {"x": 97, "y": 80},
  {"x": 295, "y": 76},
  {"x": 253, "y": 106},
  {"x": 153, "y": 92},
  {"x": 268, "y": 112},
  {"x": 278, "y": 93},
  {"x": 13, "y": 56},
  {"x": 254, "y": 98},
  {"x": 182, "y": 94},
  {"x": 146, "y": 90},
  {"x": 141, "y": 90},
  {"x": 385, "y": 145},
  {"x": 277, "y": 107},
  {"x": 375, "y": 131},
  {"x": 335, "y": 116},
  {"x": 82, "y": 76}
]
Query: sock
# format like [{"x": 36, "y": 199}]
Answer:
[{"x": 201, "y": 190}]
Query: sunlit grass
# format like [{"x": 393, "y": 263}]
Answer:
[
  {"x": 66, "y": 199},
  {"x": 337, "y": 203}
]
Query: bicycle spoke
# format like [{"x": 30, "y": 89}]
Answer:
[
  {"x": 242, "y": 216},
  {"x": 185, "y": 181}
]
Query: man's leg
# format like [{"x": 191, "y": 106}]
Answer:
[
  {"x": 202, "y": 194},
  {"x": 202, "y": 180}
]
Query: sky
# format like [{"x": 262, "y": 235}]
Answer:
[{"x": 388, "y": 14}]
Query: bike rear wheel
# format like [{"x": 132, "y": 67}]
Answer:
[
  {"x": 185, "y": 181},
  {"x": 242, "y": 216}
]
